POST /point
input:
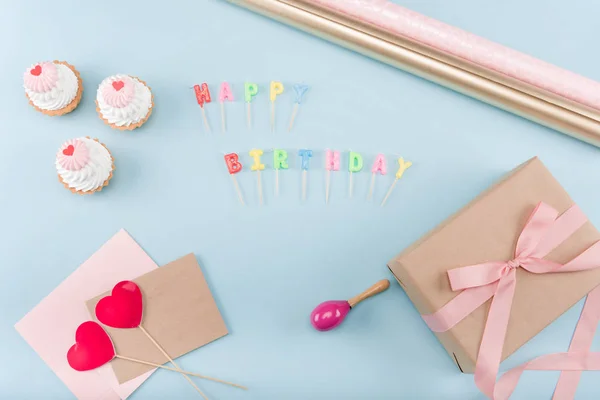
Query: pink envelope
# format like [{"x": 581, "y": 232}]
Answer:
[{"x": 50, "y": 327}]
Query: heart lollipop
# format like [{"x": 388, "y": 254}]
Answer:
[{"x": 330, "y": 314}]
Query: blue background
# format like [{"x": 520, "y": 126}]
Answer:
[{"x": 269, "y": 266}]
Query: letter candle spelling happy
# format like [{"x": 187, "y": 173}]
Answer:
[
  {"x": 234, "y": 166},
  {"x": 403, "y": 167},
  {"x": 224, "y": 95},
  {"x": 306, "y": 155},
  {"x": 203, "y": 96},
  {"x": 257, "y": 166},
  {"x": 355, "y": 164},
  {"x": 279, "y": 162},
  {"x": 276, "y": 89},
  {"x": 300, "y": 90},
  {"x": 379, "y": 165},
  {"x": 332, "y": 163},
  {"x": 250, "y": 90}
]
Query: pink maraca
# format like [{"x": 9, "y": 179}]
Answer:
[{"x": 330, "y": 314}]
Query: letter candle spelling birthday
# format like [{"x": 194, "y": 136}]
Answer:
[
  {"x": 403, "y": 167},
  {"x": 257, "y": 166},
  {"x": 279, "y": 162},
  {"x": 355, "y": 164},
  {"x": 306, "y": 155},
  {"x": 203, "y": 96},
  {"x": 250, "y": 90},
  {"x": 276, "y": 89},
  {"x": 234, "y": 166},
  {"x": 300, "y": 90},
  {"x": 224, "y": 95},
  {"x": 332, "y": 163},
  {"x": 380, "y": 165}
]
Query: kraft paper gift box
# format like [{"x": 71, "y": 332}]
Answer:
[{"x": 487, "y": 230}]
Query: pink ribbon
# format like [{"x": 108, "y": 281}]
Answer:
[{"x": 544, "y": 231}]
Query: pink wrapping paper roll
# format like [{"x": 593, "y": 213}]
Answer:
[
  {"x": 464, "y": 62},
  {"x": 470, "y": 47}
]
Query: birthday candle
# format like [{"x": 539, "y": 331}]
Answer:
[
  {"x": 250, "y": 90},
  {"x": 332, "y": 163},
  {"x": 224, "y": 95},
  {"x": 355, "y": 164},
  {"x": 203, "y": 96},
  {"x": 403, "y": 167},
  {"x": 306, "y": 155},
  {"x": 234, "y": 166},
  {"x": 279, "y": 162},
  {"x": 257, "y": 166},
  {"x": 276, "y": 89},
  {"x": 300, "y": 90},
  {"x": 379, "y": 165}
]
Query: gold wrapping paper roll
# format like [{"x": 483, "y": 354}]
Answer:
[{"x": 507, "y": 93}]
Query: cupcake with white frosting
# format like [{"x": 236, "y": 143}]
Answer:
[
  {"x": 124, "y": 102},
  {"x": 53, "y": 87},
  {"x": 84, "y": 165}
]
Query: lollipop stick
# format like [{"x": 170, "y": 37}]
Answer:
[
  {"x": 294, "y": 112},
  {"x": 223, "y": 126},
  {"x": 237, "y": 189},
  {"x": 205, "y": 119},
  {"x": 389, "y": 192},
  {"x": 304, "y": 184},
  {"x": 249, "y": 115},
  {"x": 350, "y": 186},
  {"x": 172, "y": 362},
  {"x": 184, "y": 372},
  {"x": 371, "y": 187},
  {"x": 272, "y": 117},
  {"x": 260, "y": 191},
  {"x": 327, "y": 186},
  {"x": 277, "y": 182}
]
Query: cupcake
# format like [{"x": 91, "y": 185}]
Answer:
[
  {"x": 84, "y": 165},
  {"x": 53, "y": 88},
  {"x": 124, "y": 102}
]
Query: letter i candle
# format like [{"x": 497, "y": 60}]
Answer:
[
  {"x": 257, "y": 166},
  {"x": 279, "y": 162},
  {"x": 380, "y": 165},
  {"x": 250, "y": 90},
  {"x": 305, "y": 155},
  {"x": 203, "y": 97},
  {"x": 234, "y": 167},
  {"x": 332, "y": 163},
  {"x": 225, "y": 95}
]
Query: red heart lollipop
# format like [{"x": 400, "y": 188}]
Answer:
[
  {"x": 92, "y": 349},
  {"x": 123, "y": 308}
]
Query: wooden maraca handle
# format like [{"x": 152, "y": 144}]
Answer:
[{"x": 379, "y": 287}]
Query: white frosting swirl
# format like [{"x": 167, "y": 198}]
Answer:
[
  {"x": 137, "y": 109},
  {"x": 94, "y": 173},
  {"x": 60, "y": 96}
]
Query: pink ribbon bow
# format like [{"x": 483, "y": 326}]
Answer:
[{"x": 544, "y": 231}]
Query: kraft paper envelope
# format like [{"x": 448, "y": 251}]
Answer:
[
  {"x": 179, "y": 313},
  {"x": 50, "y": 327}
]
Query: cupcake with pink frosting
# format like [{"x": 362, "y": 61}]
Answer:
[
  {"x": 53, "y": 87},
  {"x": 84, "y": 165},
  {"x": 124, "y": 102}
]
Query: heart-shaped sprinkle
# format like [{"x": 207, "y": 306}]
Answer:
[
  {"x": 36, "y": 71},
  {"x": 118, "y": 85},
  {"x": 69, "y": 150}
]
